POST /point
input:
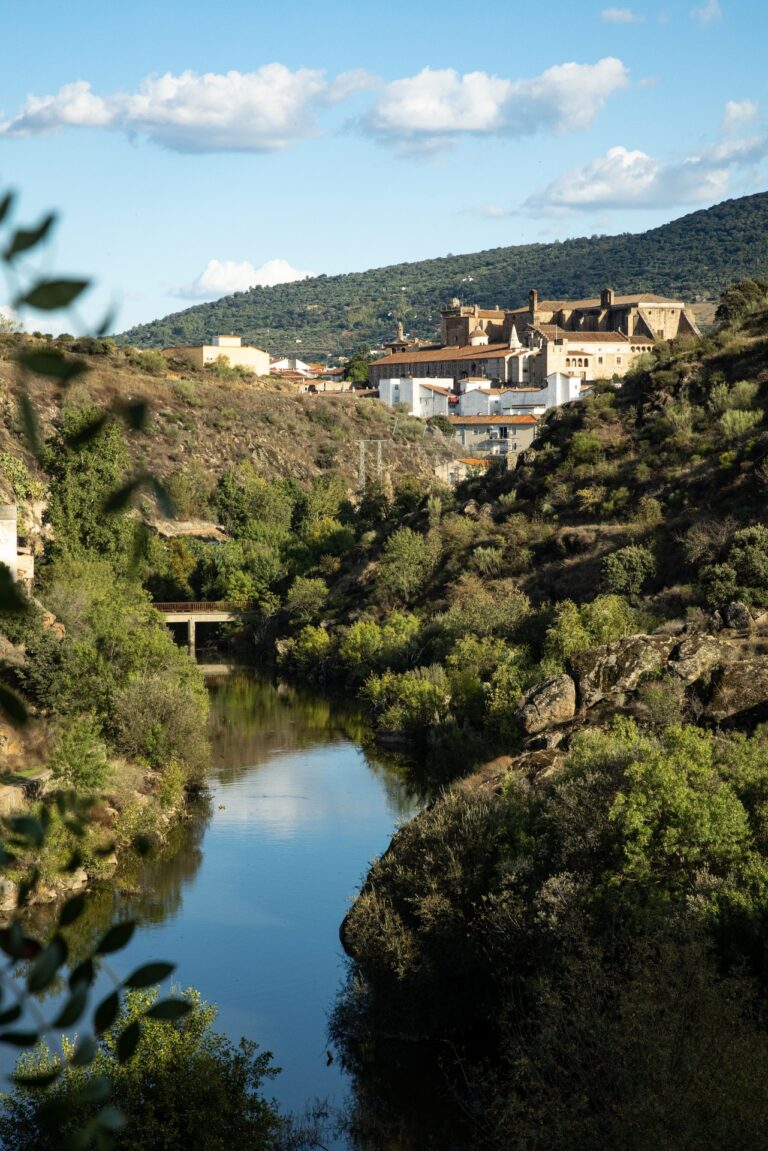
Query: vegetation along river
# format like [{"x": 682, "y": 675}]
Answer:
[{"x": 249, "y": 899}]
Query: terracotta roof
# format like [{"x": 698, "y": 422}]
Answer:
[
  {"x": 594, "y": 302},
  {"x": 474, "y": 462},
  {"x": 436, "y": 388},
  {"x": 475, "y": 420},
  {"x": 457, "y": 352}
]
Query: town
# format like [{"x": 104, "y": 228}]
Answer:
[{"x": 495, "y": 372}]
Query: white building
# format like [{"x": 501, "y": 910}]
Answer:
[
  {"x": 424, "y": 398},
  {"x": 8, "y": 538},
  {"x": 229, "y": 348}
]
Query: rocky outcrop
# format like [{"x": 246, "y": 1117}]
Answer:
[
  {"x": 548, "y": 704},
  {"x": 617, "y": 668},
  {"x": 737, "y": 616},
  {"x": 697, "y": 657},
  {"x": 742, "y": 687}
]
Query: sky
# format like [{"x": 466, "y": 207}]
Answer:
[{"x": 193, "y": 149}]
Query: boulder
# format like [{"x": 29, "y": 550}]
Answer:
[
  {"x": 742, "y": 687},
  {"x": 738, "y": 616},
  {"x": 698, "y": 656},
  {"x": 619, "y": 667},
  {"x": 547, "y": 705}
]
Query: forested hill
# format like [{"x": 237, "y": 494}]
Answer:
[{"x": 695, "y": 256}]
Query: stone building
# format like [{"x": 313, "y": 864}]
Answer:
[{"x": 593, "y": 339}]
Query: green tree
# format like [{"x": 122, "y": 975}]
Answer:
[{"x": 186, "y": 1085}]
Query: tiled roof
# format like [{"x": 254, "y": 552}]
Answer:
[
  {"x": 594, "y": 302},
  {"x": 458, "y": 352},
  {"x": 475, "y": 420},
  {"x": 436, "y": 388}
]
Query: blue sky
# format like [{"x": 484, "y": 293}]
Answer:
[{"x": 193, "y": 148}]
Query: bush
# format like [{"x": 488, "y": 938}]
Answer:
[
  {"x": 79, "y": 759},
  {"x": 408, "y": 559},
  {"x": 736, "y": 423},
  {"x": 186, "y": 1086},
  {"x": 412, "y": 702},
  {"x": 719, "y": 584},
  {"x": 628, "y": 570},
  {"x": 152, "y": 361},
  {"x": 158, "y": 720},
  {"x": 305, "y": 599}
]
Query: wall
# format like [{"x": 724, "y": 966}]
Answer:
[{"x": 8, "y": 537}]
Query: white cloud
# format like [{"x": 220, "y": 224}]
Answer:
[
  {"x": 222, "y": 277},
  {"x": 437, "y": 107},
  {"x": 258, "y": 111},
  {"x": 708, "y": 13},
  {"x": 621, "y": 16},
  {"x": 624, "y": 178},
  {"x": 739, "y": 112}
]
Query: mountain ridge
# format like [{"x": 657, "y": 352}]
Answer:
[{"x": 694, "y": 256}]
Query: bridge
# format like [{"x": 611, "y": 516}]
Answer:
[{"x": 194, "y": 612}]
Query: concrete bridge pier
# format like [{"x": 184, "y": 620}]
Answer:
[{"x": 191, "y": 638}]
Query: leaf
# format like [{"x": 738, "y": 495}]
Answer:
[
  {"x": 75, "y": 860},
  {"x": 96, "y": 1090},
  {"x": 169, "y": 1009},
  {"x": 149, "y": 974},
  {"x": 116, "y": 938},
  {"x": 135, "y": 415},
  {"x": 110, "y": 1119},
  {"x": 120, "y": 499},
  {"x": 11, "y": 598},
  {"x": 142, "y": 844},
  {"x": 72, "y": 910},
  {"x": 31, "y": 425},
  {"x": 13, "y": 705},
  {"x": 82, "y": 975},
  {"x": 164, "y": 499},
  {"x": 128, "y": 1041},
  {"x": 88, "y": 432},
  {"x": 48, "y": 295},
  {"x": 85, "y": 1052},
  {"x": 108, "y": 323},
  {"x": 11, "y": 1015},
  {"x": 16, "y": 945},
  {"x": 106, "y": 1013},
  {"x": 5, "y": 205},
  {"x": 26, "y": 238},
  {"x": 19, "y": 1038},
  {"x": 44, "y": 1079},
  {"x": 48, "y": 962},
  {"x": 27, "y": 827},
  {"x": 51, "y": 363},
  {"x": 73, "y": 1008}
]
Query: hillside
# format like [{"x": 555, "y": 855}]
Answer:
[
  {"x": 694, "y": 257},
  {"x": 201, "y": 425}
]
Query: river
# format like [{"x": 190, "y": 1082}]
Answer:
[{"x": 250, "y": 902}]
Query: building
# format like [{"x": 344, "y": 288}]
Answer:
[
  {"x": 593, "y": 339},
  {"x": 496, "y": 435},
  {"x": 424, "y": 398},
  {"x": 9, "y": 538},
  {"x": 228, "y": 348}
]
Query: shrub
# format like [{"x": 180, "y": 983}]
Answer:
[
  {"x": 628, "y": 570},
  {"x": 585, "y": 448},
  {"x": 412, "y": 702},
  {"x": 309, "y": 651},
  {"x": 408, "y": 559},
  {"x": 185, "y": 1084},
  {"x": 719, "y": 584},
  {"x": 152, "y": 361},
  {"x": 159, "y": 720},
  {"x": 488, "y": 561},
  {"x": 735, "y": 423},
  {"x": 79, "y": 759},
  {"x": 306, "y": 599}
]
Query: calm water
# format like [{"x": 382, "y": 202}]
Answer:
[{"x": 250, "y": 903}]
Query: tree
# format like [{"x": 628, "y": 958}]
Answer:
[
  {"x": 186, "y": 1085},
  {"x": 356, "y": 368}
]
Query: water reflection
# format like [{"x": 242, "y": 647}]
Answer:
[{"x": 249, "y": 895}]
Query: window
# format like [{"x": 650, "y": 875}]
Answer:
[
  {"x": 599, "y": 359},
  {"x": 618, "y": 359}
]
